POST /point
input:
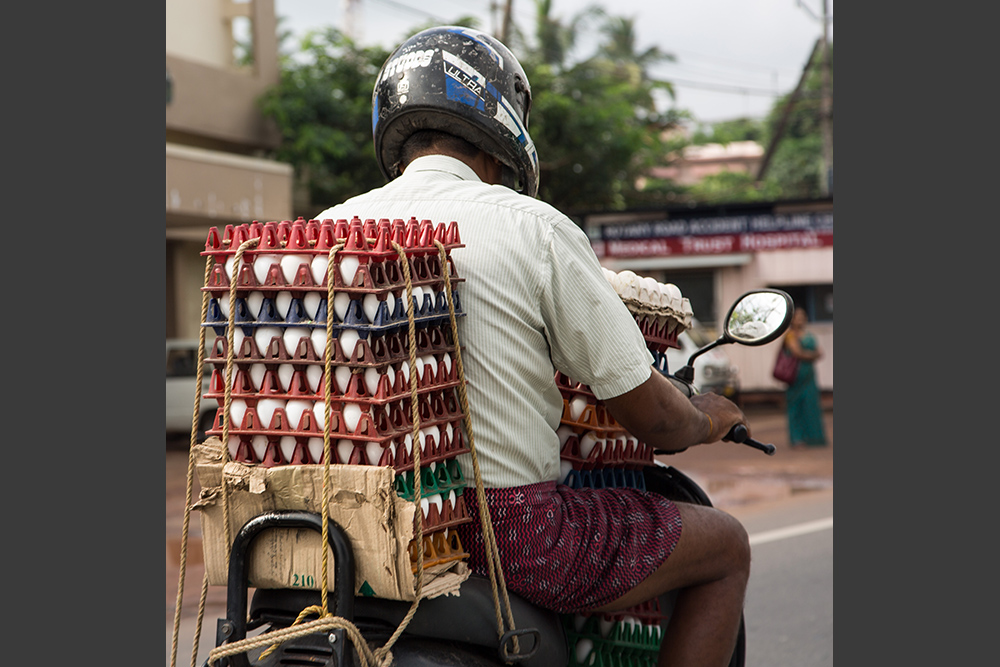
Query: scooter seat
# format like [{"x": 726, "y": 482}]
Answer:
[{"x": 468, "y": 618}]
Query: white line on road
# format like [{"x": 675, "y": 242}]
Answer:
[{"x": 791, "y": 531}]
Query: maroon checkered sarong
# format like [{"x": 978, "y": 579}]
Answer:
[{"x": 570, "y": 550}]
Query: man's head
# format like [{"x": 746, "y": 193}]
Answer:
[{"x": 462, "y": 82}]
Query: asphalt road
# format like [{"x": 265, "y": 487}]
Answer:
[{"x": 789, "y": 603}]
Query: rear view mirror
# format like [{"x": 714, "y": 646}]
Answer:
[{"x": 759, "y": 317}]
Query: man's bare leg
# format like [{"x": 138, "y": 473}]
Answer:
[{"x": 711, "y": 563}]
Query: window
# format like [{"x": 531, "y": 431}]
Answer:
[
  {"x": 699, "y": 288},
  {"x": 817, "y": 300}
]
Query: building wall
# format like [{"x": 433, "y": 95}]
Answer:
[
  {"x": 746, "y": 247},
  {"x": 215, "y": 136}
]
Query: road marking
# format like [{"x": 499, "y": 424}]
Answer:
[{"x": 791, "y": 531}]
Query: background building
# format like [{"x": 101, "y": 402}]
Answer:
[
  {"x": 214, "y": 136},
  {"x": 714, "y": 254}
]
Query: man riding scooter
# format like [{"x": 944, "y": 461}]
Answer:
[{"x": 450, "y": 117}]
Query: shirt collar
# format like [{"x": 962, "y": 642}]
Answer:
[{"x": 445, "y": 164}]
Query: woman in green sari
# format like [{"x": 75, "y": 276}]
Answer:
[{"x": 805, "y": 414}]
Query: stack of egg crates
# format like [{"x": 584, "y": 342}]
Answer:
[
  {"x": 278, "y": 407},
  {"x": 596, "y": 452},
  {"x": 626, "y": 639}
]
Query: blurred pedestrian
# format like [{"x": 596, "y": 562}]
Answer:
[{"x": 805, "y": 414}]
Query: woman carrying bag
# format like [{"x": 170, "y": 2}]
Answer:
[{"x": 805, "y": 414}]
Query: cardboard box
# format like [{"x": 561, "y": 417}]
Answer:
[{"x": 363, "y": 501}]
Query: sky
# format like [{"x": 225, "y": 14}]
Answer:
[{"x": 734, "y": 58}]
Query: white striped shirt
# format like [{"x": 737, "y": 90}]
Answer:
[{"x": 535, "y": 300}]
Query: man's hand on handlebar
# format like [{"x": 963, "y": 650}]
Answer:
[{"x": 723, "y": 413}]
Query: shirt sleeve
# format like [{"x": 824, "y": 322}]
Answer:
[{"x": 592, "y": 336}]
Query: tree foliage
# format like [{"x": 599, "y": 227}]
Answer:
[
  {"x": 593, "y": 119},
  {"x": 322, "y": 107},
  {"x": 797, "y": 164}
]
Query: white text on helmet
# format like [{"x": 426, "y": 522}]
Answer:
[{"x": 407, "y": 61}]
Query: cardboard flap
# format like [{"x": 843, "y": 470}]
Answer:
[{"x": 363, "y": 501}]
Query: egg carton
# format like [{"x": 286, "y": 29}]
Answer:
[
  {"x": 631, "y": 637},
  {"x": 374, "y": 385},
  {"x": 296, "y": 255},
  {"x": 373, "y": 314},
  {"x": 356, "y": 419},
  {"x": 439, "y": 548},
  {"x": 590, "y": 450},
  {"x": 276, "y": 345},
  {"x": 655, "y": 305}
]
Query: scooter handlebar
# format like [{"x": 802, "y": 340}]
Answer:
[{"x": 740, "y": 434}]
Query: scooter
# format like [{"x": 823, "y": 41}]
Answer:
[{"x": 459, "y": 631}]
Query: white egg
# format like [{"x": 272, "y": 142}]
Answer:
[
  {"x": 584, "y": 647},
  {"x": 342, "y": 378},
  {"x": 318, "y": 267},
  {"x": 426, "y": 367},
  {"x": 259, "y": 445},
  {"x": 352, "y": 415},
  {"x": 311, "y": 303},
  {"x": 341, "y": 301},
  {"x": 255, "y": 300},
  {"x": 348, "y": 341},
  {"x": 285, "y": 373},
  {"x": 374, "y": 452},
  {"x": 565, "y": 468},
  {"x": 315, "y": 447},
  {"x": 266, "y": 409},
  {"x": 319, "y": 412},
  {"x": 605, "y": 625},
  {"x": 287, "y": 446},
  {"x": 233, "y": 446},
  {"x": 238, "y": 337},
  {"x": 587, "y": 443},
  {"x": 314, "y": 375},
  {"x": 262, "y": 264},
  {"x": 390, "y": 303},
  {"x": 348, "y": 268},
  {"x": 283, "y": 302},
  {"x": 290, "y": 264},
  {"x": 344, "y": 450},
  {"x": 318, "y": 338},
  {"x": 564, "y": 433},
  {"x": 418, "y": 297},
  {"x": 372, "y": 377},
  {"x": 257, "y": 374},
  {"x": 672, "y": 296},
  {"x": 263, "y": 335},
  {"x": 436, "y": 501},
  {"x": 292, "y": 337},
  {"x": 430, "y": 431},
  {"x": 294, "y": 409},
  {"x": 223, "y": 302},
  {"x": 230, "y": 262},
  {"x": 447, "y": 363},
  {"x": 408, "y": 443},
  {"x": 576, "y": 407},
  {"x": 647, "y": 287},
  {"x": 237, "y": 409},
  {"x": 370, "y": 305}
]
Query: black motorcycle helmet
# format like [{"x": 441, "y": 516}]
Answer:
[{"x": 463, "y": 82}]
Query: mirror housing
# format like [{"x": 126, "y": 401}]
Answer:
[{"x": 756, "y": 318}]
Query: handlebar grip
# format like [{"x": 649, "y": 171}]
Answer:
[{"x": 740, "y": 434}]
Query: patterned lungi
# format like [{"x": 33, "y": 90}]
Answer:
[{"x": 570, "y": 550}]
